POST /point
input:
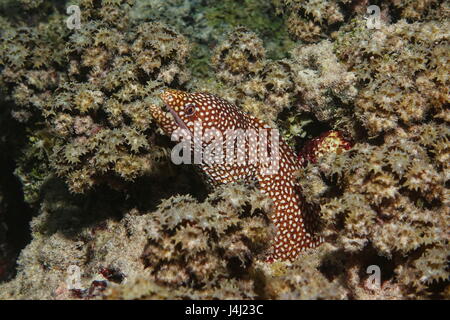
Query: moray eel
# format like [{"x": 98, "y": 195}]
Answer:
[{"x": 187, "y": 110}]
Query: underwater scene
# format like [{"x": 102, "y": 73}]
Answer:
[{"x": 224, "y": 149}]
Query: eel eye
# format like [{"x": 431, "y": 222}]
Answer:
[{"x": 189, "y": 109}]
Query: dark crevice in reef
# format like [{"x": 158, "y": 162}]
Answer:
[
  {"x": 15, "y": 213},
  {"x": 80, "y": 211},
  {"x": 312, "y": 129}
]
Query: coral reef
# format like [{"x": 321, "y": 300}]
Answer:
[
  {"x": 311, "y": 82},
  {"x": 239, "y": 57},
  {"x": 313, "y": 20},
  {"x": 104, "y": 118},
  {"x": 211, "y": 244},
  {"x": 96, "y": 107},
  {"x": 294, "y": 283},
  {"x": 206, "y": 22},
  {"x": 403, "y": 72},
  {"x": 31, "y": 58},
  {"x": 322, "y": 82},
  {"x": 185, "y": 247},
  {"x": 74, "y": 104},
  {"x": 310, "y": 20},
  {"x": 422, "y": 9},
  {"x": 393, "y": 199},
  {"x": 260, "y": 86}
]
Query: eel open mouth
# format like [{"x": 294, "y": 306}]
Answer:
[{"x": 168, "y": 97}]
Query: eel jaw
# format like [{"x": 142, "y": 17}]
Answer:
[
  {"x": 168, "y": 97},
  {"x": 178, "y": 120}
]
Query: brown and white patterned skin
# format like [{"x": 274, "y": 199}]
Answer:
[{"x": 213, "y": 112}]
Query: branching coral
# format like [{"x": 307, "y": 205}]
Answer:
[
  {"x": 390, "y": 196},
  {"x": 262, "y": 87},
  {"x": 30, "y": 67},
  {"x": 323, "y": 83},
  {"x": 394, "y": 199},
  {"x": 201, "y": 245},
  {"x": 190, "y": 249},
  {"x": 239, "y": 57},
  {"x": 303, "y": 280},
  {"x": 119, "y": 67},
  {"x": 403, "y": 70},
  {"x": 97, "y": 106},
  {"x": 309, "y": 20},
  {"x": 422, "y": 9},
  {"x": 312, "y": 20},
  {"x": 398, "y": 75},
  {"x": 313, "y": 81}
]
